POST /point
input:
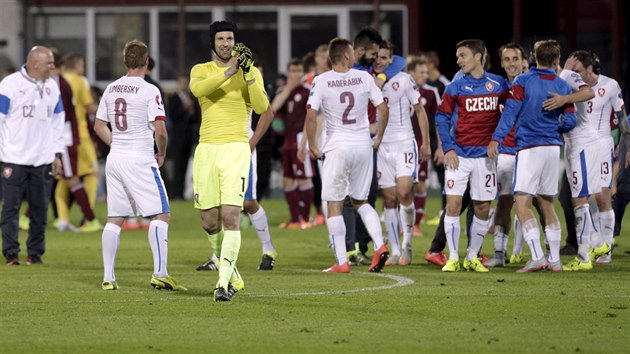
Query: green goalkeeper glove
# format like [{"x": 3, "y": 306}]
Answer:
[
  {"x": 248, "y": 73},
  {"x": 245, "y": 60}
]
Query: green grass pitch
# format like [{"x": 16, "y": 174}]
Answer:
[{"x": 58, "y": 307}]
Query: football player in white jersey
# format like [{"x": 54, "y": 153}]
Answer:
[
  {"x": 581, "y": 165},
  {"x": 608, "y": 99},
  {"x": 342, "y": 95},
  {"x": 135, "y": 187},
  {"x": 398, "y": 155}
]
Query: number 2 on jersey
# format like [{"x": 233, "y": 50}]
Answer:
[
  {"x": 349, "y": 97},
  {"x": 120, "y": 116}
]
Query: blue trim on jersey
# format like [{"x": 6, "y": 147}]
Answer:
[
  {"x": 249, "y": 193},
  {"x": 5, "y": 103},
  {"x": 584, "y": 190},
  {"x": 158, "y": 182},
  {"x": 59, "y": 106},
  {"x": 157, "y": 242}
]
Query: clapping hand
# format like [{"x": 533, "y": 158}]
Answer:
[{"x": 245, "y": 60}]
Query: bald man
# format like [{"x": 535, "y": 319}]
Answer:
[{"x": 31, "y": 146}]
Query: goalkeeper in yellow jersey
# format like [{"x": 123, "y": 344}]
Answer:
[{"x": 227, "y": 88}]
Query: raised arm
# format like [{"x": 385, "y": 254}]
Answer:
[
  {"x": 257, "y": 93},
  {"x": 202, "y": 84},
  {"x": 556, "y": 100}
]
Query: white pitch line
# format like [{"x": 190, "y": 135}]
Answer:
[{"x": 400, "y": 281}]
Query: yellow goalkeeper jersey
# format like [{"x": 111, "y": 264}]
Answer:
[{"x": 226, "y": 103}]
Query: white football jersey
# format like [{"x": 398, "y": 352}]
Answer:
[
  {"x": 343, "y": 99},
  {"x": 608, "y": 98},
  {"x": 401, "y": 94},
  {"x": 131, "y": 104},
  {"x": 583, "y": 134},
  {"x": 31, "y": 120}
]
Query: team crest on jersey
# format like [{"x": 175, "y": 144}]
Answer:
[
  {"x": 395, "y": 86},
  {"x": 196, "y": 197},
  {"x": 48, "y": 91},
  {"x": 7, "y": 172},
  {"x": 601, "y": 92},
  {"x": 297, "y": 97},
  {"x": 489, "y": 86},
  {"x": 450, "y": 184},
  {"x": 158, "y": 100}
]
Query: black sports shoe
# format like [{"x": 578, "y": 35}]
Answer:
[
  {"x": 231, "y": 290},
  {"x": 267, "y": 262},
  {"x": 353, "y": 260},
  {"x": 209, "y": 265},
  {"x": 221, "y": 295},
  {"x": 12, "y": 259},
  {"x": 33, "y": 260},
  {"x": 568, "y": 250}
]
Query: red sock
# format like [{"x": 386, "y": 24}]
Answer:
[
  {"x": 293, "y": 201},
  {"x": 80, "y": 196},
  {"x": 307, "y": 194},
  {"x": 419, "y": 200}
]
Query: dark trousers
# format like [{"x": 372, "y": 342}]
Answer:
[
  {"x": 317, "y": 186},
  {"x": 619, "y": 202},
  {"x": 180, "y": 150},
  {"x": 439, "y": 170},
  {"x": 622, "y": 196},
  {"x": 355, "y": 229},
  {"x": 567, "y": 208},
  {"x": 37, "y": 183},
  {"x": 264, "y": 158}
]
